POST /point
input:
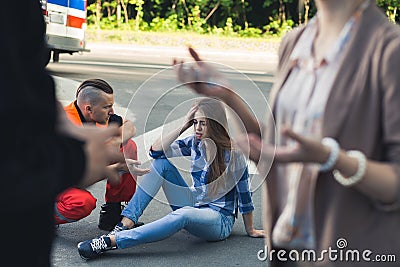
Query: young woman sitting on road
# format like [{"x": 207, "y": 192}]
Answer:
[{"x": 208, "y": 208}]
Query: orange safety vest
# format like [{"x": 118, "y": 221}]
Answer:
[
  {"x": 114, "y": 193},
  {"x": 73, "y": 115}
]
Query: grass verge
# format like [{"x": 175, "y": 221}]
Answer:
[{"x": 174, "y": 39}]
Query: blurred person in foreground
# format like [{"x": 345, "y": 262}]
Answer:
[
  {"x": 42, "y": 153},
  {"x": 334, "y": 183}
]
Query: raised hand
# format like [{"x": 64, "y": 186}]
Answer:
[{"x": 202, "y": 78}]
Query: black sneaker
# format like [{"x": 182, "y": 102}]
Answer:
[
  {"x": 110, "y": 215},
  {"x": 93, "y": 248}
]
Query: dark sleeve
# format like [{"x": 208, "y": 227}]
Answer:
[
  {"x": 36, "y": 163},
  {"x": 26, "y": 87},
  {"x": 41, "y": 168},
  {"x": 116, "y": 119},
  {"x": 69, "y": 163}
]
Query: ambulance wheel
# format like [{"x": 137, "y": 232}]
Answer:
[{"x": 56, "y": 56}]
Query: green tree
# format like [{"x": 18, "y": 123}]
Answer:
[
  {"x": 281, "y": 12},
  {"x": 391, "y": 7},
  {"x": 210, "y": 16}
]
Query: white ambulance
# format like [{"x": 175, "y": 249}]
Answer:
[{"x": 65, "y": 26}]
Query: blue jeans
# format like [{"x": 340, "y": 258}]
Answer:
[{"x": 203, "y": 222}]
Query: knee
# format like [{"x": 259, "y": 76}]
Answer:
[
  {"x": 84, "y": 201},
  {"x": 89, "y": 203},
  {"x": 184, "y": 213},
  {"x": 75, "y": 205}
]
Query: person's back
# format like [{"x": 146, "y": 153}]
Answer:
[
  {"x": 26, "y": 159},
  {"x": 42, "y": 152}
]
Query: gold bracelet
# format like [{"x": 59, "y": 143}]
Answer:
[{"x": 357, "y": 177}]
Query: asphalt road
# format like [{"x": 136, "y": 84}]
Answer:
[{"x": 146, "y": 92}]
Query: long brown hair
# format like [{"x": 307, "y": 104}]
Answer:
[{"x": 217, "y": 131}]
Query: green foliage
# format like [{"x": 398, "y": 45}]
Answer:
[
  {"x": 164, "y": 25},
  {"x": 196, "y": 21},
  {"x": 391, "y": 7},
  {"x": 250, "y": 32},
  {"x": 109, "y": 22},
  {"x": 268, "y": 3},
  {"x": 91, "y": 14},
  {"x": 228, "y": 29},
  {"x": 275, "y": 28},
  {"x": 242, "y": 18}
]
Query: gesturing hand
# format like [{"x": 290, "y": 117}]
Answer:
[
  {"x": 134, "y": 169},
  {"x": 202, "y": 78},
  {"x": 305, "y": 149},
  {"x": 100, "y": 154}
]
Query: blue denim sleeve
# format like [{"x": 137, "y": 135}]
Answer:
[
  {"x": 244, "y": 194},
  {"x": 178, "y": 148},
  {"x": 156, "y": 154}
]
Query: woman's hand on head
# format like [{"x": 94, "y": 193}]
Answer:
[
  {"x": 190, "y": 115},
  {"x": 189, "y": 119},
  {"x": 202, "y": 78}
]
